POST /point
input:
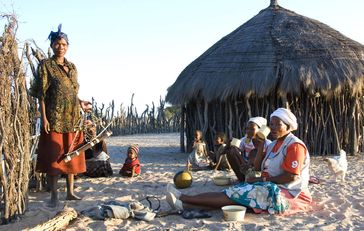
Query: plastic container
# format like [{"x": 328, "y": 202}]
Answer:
[
  {"x": 235, "y": 142},
  {"x": 234, "y": 212},
  {"x": 263, "y": 132}
]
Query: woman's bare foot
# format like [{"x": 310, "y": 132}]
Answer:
[
  {"x": 73, "y": 197},
  {"x": 53, "y": 203}
]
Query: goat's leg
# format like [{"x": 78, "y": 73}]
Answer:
[{"x": 343, "y": 174}]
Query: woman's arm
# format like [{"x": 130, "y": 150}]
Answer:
[
  {"x": 44, "y": 116},
  {"x": 86, "y": 106},
  {"x": 291, "y": 166},
  {"x": 284, "y": 178},
  {"x": 260, "y": 154}
]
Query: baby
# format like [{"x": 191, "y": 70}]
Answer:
[{"x": 131, "y": 167}]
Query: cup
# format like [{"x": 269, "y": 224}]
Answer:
[
  {"x": 235, "y": 142},
  {"x": 263, "y": 132}
]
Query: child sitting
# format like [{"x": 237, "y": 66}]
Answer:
[
  {"x": 198, "y": 158},
  {"x": 131, "y": 167},
  {"x": 219, "y": 156}
]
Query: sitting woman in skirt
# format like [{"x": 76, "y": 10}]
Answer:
[
  {"x": 283, "y": 186},
  {"x": 131, "y": 167},
  {"x": 97, "y": 159}
]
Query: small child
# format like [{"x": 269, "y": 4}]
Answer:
[
  {"x": 198, "y": 158},
  {"x": 247, "y": 144},
  {"x": 131, "y": 167},
  {"x": 220, "y": 158}
]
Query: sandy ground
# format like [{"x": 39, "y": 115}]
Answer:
[{"x": 338, "y": 206}]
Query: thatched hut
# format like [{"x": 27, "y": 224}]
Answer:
[{"x": 277, "y": 58}]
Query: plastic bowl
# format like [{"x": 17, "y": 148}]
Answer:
[
  {"x": 234, "y": 212},
  {"x": 221, "y": 180}
]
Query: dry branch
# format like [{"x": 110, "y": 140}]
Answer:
[{"x": 14, "y": 127}]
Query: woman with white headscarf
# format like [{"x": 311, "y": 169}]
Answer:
[
  {"x": 283, "y": 186},
  {"x": 241, "y": 159},
  {"x": 286, "y": 160},
  {"x": 249, "y": 141}
]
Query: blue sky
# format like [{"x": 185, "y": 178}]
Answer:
[{"x": 122, "y": 47}]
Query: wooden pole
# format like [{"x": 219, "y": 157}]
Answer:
[
  {"x": 335, "y": 130},
  {"x": 182, "y": 129}
]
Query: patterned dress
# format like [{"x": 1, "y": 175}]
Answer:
[
  {"x": 260, "y": 195},
  {"x": 58, "y": 89}
]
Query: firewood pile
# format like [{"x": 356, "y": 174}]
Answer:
[{"x": 14, "y": 126}]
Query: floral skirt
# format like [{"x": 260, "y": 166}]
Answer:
[{"x": 260, "y": 195}]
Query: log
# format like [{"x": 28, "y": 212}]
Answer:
[{"x": 59, "y": 222}]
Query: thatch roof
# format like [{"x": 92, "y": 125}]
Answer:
[{"x": 275, "y": 51}]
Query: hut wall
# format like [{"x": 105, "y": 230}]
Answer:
[{"x": 325, "y": 125}]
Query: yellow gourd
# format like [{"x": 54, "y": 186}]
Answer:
[{"x": 182, "y": 179}]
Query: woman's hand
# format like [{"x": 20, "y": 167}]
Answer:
[
  {"x": 46, "y": 126},
  {"x": 86, "y": 105},
  {"x": 258, "y": 143},
  {"x": 254, "y": 179},
  {"x": 88, "y": 123}
]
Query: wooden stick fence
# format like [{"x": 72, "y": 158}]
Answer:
[
  {"x": 127, "y": 121},
  {"x": 325, "y": 124}
]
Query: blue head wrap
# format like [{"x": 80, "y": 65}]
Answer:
[{"x": 53, "y": 36}]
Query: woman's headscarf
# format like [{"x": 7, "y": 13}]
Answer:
[
  {"x": 287, "y": 117},
  {"x": 53, "y": 36},
  {"x": 259, "y": 121}
]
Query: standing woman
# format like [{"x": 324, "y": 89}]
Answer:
[{"x": 56, "y": 88}]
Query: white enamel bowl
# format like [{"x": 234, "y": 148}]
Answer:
[{"x": 234, "y": 212}]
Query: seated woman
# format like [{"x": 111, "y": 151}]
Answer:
[
  {"x": 249, "y": 141},
  {"x": 242, "y": 160},
  {"x": 97, "y": 159},
  {"x": 283, "y": 187}
]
